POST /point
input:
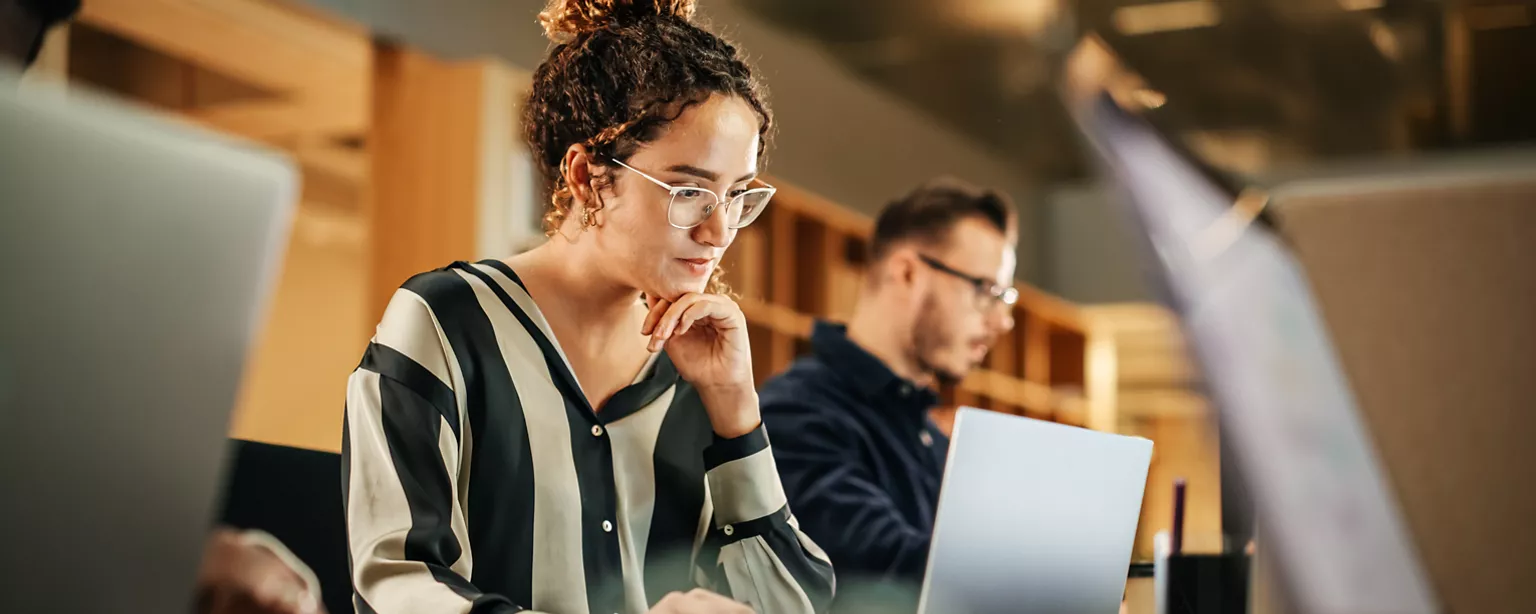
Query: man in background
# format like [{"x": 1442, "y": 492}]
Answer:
[
  {"x": 859, "y": 456},
  {"x": 242, "y": 572}
]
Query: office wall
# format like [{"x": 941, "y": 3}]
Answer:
[{"x": 1087, "y": 254}]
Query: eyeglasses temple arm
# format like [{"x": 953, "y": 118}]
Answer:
[{"x": 654, "y": 180}]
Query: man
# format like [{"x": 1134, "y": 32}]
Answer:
[
  {"x": 242, "y": 572},
  {"x": 859, "y": 456}
]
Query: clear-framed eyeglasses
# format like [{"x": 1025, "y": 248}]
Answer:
[{"x": 692, "y": 205}]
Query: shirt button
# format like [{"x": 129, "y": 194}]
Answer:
[
  {"x": 728, "y": 529},
  {"x": 926, "y": 438},
  {"x": 597, "y": 431},
  {"x": 607, "y": 527},
  {"x": 906, "y": 390}
]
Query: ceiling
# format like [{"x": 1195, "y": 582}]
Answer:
[{"x": 1251, "y": 84}]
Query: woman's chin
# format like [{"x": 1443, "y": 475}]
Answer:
[{"x": 675, "y": 289}]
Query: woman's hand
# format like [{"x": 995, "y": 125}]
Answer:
[
  {"x": 698, "y": 601},
  {"x": 706, "y": 337},
  {"x": 239, "y": 576}
]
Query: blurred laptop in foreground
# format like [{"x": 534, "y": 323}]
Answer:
[
  {"x": 1403, "y": 485},
  {"x": 138, "y": 257}
]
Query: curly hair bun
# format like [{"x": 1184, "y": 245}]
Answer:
[{"x": 566, "y": 19}]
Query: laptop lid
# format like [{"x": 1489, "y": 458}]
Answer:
[
  {"x": 1270, "y": 369},
  {"x": 1034, "y": 517},
  {"x": 136, "y": 257}
]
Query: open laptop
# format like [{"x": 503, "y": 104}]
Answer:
[
  {"x": 1329, "y": 517},
  {"x": 136, "y": 258},
  {"x": 1034, "y": 518}
]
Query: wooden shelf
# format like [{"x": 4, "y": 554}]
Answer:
[{"x": 779, "y": 319}]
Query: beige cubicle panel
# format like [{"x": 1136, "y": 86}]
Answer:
[{"x": 1427, "y": 279}]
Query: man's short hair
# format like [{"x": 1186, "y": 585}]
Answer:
[{"x": 927, "y": 214}]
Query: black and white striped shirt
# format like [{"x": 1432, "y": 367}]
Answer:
[{"x": 479, "y": 479}]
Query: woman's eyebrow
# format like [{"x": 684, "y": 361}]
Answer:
[{"x": 707, "y": 175}]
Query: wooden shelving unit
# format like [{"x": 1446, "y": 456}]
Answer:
[{"x": 805, "y": 260}]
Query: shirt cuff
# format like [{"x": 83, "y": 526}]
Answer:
[
  {"x": 743, "y": 479},
  {"x": 262, "y": 539}
]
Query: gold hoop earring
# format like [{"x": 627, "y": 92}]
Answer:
[{"x": 587, "y": 219}]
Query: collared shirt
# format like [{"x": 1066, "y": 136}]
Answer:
[
  {"x": 860, "y": 458},
  {"x": 479, "y": 479}
]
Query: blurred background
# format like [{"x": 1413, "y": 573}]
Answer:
[{"x": 403, "y": 115}]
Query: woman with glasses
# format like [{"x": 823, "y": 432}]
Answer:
[{"x": 575, "y": 428}]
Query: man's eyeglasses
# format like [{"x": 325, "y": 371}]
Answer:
[
  {"x": 988, "y": 294},
  {"x": 691, "y": 205}
]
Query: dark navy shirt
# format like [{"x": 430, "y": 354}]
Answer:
[{"x": 859, "y": 458}]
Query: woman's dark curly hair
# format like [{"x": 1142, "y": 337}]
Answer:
[{"x": 619, "y": 72}]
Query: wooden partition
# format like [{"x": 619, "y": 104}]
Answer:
[
  {"x": 805, "y": 259},
  {"x": 1424, "y": 277}
]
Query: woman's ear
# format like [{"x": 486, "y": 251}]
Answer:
[{"x": 576, "y": 170}]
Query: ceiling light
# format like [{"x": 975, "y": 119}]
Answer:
[{"x": 1140, "y": 19}]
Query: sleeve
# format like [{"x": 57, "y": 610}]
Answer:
[
  {"x": 262, "y": 539},
  {"x": 407, "y": 541},
  {"x": 843, "y": 507},
  {"x": 764, "y": 560}
]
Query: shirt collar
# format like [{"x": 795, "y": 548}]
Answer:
[
  {"x": 658, "y": 376},
  {"x": 865, "y": 373}
]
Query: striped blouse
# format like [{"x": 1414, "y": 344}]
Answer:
[{"x": 478, "y": 478}]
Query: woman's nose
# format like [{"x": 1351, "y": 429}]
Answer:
[{"x": 713, "y": 231}]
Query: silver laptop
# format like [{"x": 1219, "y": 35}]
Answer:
[
  {"x": 1034, "y": 517},
  {"x": 136, "y": 257}
]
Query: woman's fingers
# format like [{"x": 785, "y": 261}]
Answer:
[
  {"x": 674, "y": 317},
  {"x": 669, "y": 319},
  {"x": 700, "y": 310},
  {"x": 699, "y": 601},
  {"x": 677, "y": 318},
  {"x": 658, "y": 307},
  {"x": 716, "y": 603},
  {"x": 661, "y": 330}
]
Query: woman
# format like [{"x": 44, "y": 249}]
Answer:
[{"x": 575, "y": 429}]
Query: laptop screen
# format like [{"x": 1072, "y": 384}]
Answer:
[{"x": 1327, "y": 513}]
